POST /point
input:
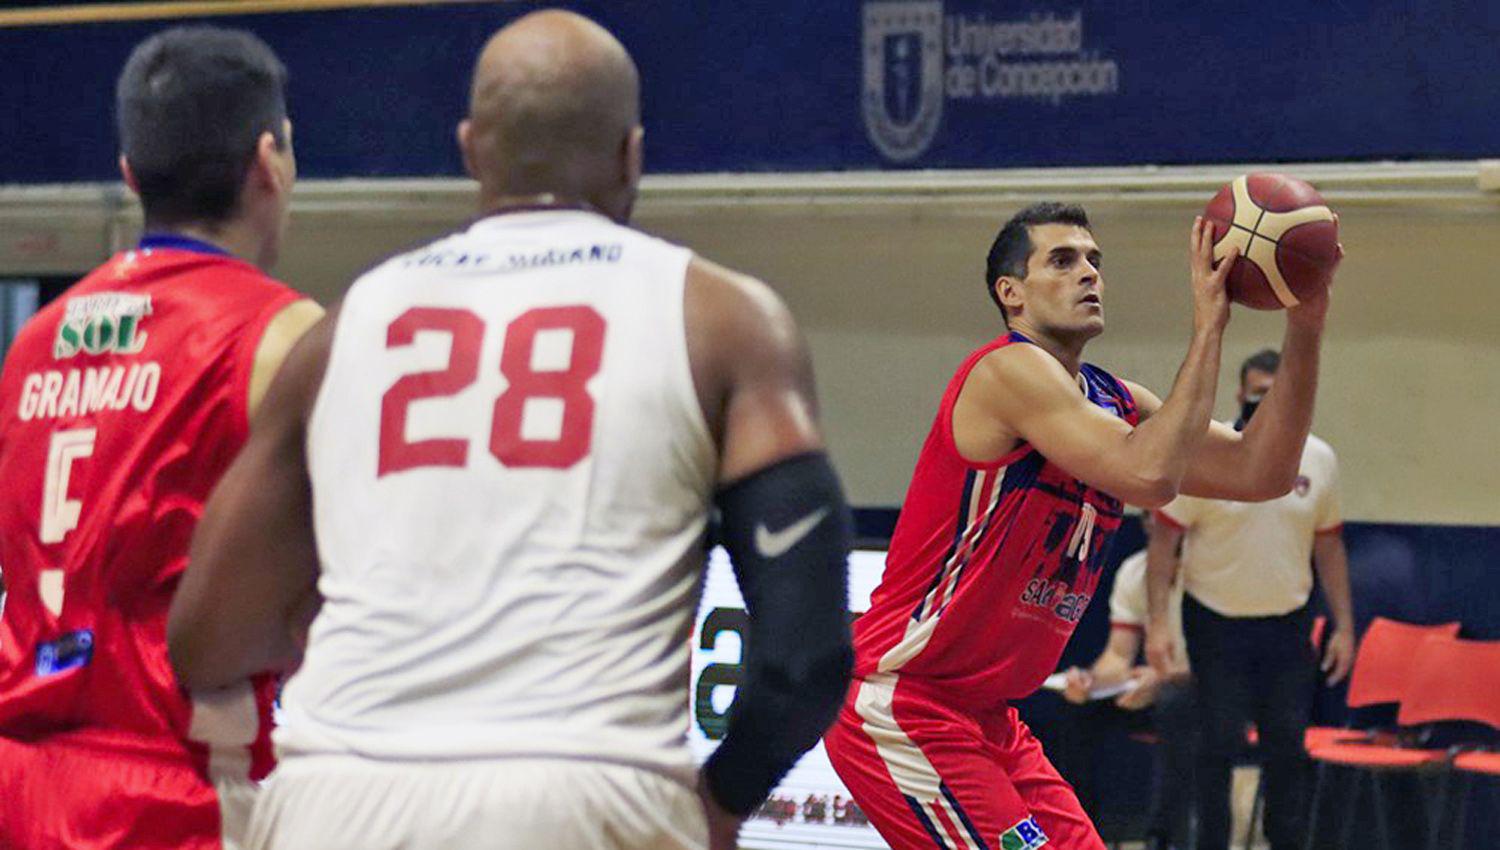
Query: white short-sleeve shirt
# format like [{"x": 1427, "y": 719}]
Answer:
[
  {"x": 1129, "y": 607},
  {"x": 1253, "y": 559}
]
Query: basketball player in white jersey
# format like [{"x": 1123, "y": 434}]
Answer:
[{"x": 489, "y": 474}]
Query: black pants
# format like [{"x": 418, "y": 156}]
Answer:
[
  {"x": 1247, "y": 669},
  {"x": 1085, "y": 730}
]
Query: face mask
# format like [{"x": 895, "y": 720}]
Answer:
[{"x": 1247, "y": 410}]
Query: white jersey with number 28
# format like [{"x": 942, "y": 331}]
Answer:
[{"x": 511, "y": 474}]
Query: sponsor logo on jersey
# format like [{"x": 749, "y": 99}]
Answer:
[
  {"x": 1056, "y": 596},
  {"x": 1026, "y": 835},
  {"x": 920, "y": 57},
  {"x": 72, "y": 650},
  {"x": 102, "y": 323}
]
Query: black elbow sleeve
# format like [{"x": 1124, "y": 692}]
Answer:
[{"x": 787, "y": 531}]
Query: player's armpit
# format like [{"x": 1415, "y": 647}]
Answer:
[
  {"x": 1022, "y": 392},
  {"x": 751, "y": 370},
  {"x": 276, "y": 341},
  {"x": 253, "y": 561}
]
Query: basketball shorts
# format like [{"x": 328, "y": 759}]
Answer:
[
  {"x": 337, "y": 802},
  {"x": 932, "y": 776},
  {"x": 65, "y": 796}
]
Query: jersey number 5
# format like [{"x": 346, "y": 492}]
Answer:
[
  {"x": 509, "y": 442},
  {"x": 60, "y": 514}
]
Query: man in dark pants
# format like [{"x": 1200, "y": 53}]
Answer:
[
  {"x": 1247, "y": 621},
  {"x": 1150, "y": 703}
]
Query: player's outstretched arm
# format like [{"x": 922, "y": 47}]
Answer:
[
  {"x": 785, "y": 524},
  {"x": 1261, "y": 462},
  {"x": 1020, "y": 391},
  {"x": 250, "y": 586}
]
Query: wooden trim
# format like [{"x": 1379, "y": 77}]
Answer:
[{"x": 79, "y": 13}]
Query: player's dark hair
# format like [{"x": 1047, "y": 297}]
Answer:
[
  {"x": 1266, "y": 360},
  {"x": 191, "y": 106},
  {"x": 1012, "y": 246}
]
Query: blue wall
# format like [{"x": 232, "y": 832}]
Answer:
[
  {"x": 1416, "y": 573},
  {"x": 848, "y": 85}
]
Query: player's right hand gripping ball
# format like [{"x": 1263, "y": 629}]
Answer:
[{"x": 1287, "y": 236}]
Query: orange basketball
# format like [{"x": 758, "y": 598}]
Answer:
[{"x": 1287, "y": 236}]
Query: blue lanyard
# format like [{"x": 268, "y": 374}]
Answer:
[{"x": 179, "y": 243}]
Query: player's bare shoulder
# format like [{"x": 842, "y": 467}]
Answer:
[
  {"x": 1004, "y": 383},
  {"x": 724, "y": 301},
  {"x": 1018, "y": 366},
  {"x": 739, "y": 331}
]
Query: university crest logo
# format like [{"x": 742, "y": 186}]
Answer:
[{"x": 903, "y": 72}]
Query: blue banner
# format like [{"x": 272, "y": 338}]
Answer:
[{"x": 846, "y": 85}]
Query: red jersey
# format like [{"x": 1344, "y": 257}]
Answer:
[
  {"x": 991, "y": 565},
  {"x": 121, "y": 404}
]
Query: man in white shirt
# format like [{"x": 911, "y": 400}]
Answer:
[
  {"x": 1168, "y": 698},
  {"x": 1247, "y": 620}
]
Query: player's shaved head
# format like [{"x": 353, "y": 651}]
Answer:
[{"x": 554, "y": 109}]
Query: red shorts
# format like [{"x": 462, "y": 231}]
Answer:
[
  {"x": 930, "y": 775},
  {"x": 63, "y": 796}
]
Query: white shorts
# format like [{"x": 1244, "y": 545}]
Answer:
[
  {"x": 236, "y": 801},
  {"x": 337, "y": 802}
]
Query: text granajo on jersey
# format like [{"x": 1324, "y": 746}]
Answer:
[{"x": 75, "y": 392}]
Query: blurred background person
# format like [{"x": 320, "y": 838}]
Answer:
[
  {"x": 1247, "y": 619},
  {"x": 1150, "y": 702}
]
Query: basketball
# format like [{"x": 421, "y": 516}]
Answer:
[{"x": 1287, "y": 236}]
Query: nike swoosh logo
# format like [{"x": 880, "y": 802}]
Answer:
[{"x": 774, "y": 544}]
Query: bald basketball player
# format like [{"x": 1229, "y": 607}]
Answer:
[
  {"x": 121, "y": 404},
  {"x": 494, "y": 465}
]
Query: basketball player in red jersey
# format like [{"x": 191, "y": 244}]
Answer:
[
  {"x": 1016, "y": 494},
  {"x": 121, "y": 404}
]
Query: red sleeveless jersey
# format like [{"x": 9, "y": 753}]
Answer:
[
  {"x": 121, "y": 404},
  {"x": 991, "y": 565}
]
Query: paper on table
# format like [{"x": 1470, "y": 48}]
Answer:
[{"x": 1059, "y": 682}]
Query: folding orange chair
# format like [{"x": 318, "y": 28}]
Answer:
[
  {"x": 1447, "y": 680},
  {"x": 1381, "y": 675},
  {"x": 1380, "y": 672},
  {"x": 1458, "y": 680}
]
